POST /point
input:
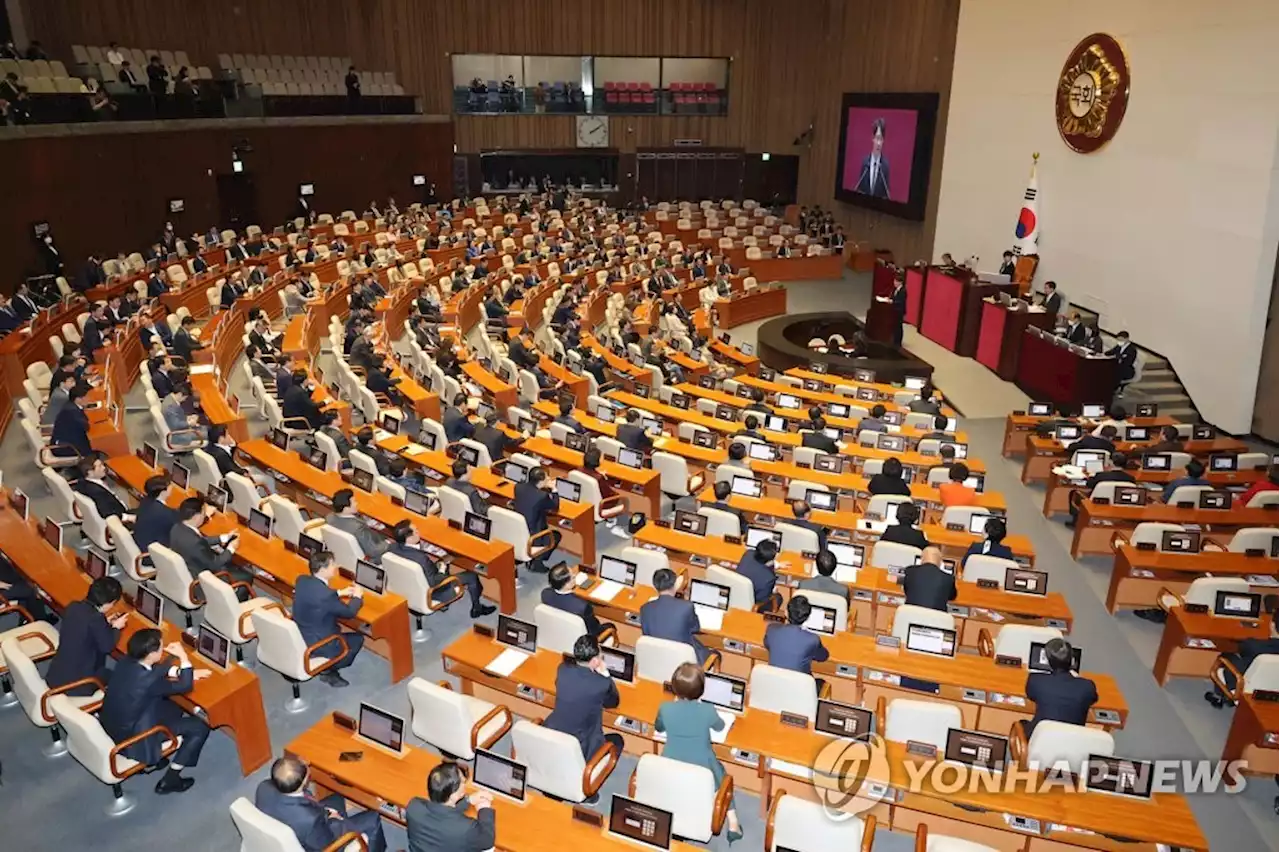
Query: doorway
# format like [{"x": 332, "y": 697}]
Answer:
[{"x": 237, "y": 201}]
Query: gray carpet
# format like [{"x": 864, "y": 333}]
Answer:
[{"x": 55, "y": 804}]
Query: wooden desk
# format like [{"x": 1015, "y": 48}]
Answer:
[
  {"x": 1254, "y": 736},
  {"x": 1044, "y": 454},
  {"x": 1096, "y": 524},
  {"x": 748, "y": 307},
  {"x": 1057, "y": 493},
  {"x": 641, "y": 488},
  {"x": 1055, "y": 373},
  {"x": 216, "y": 409},
  {"x": 1137, "y": 576},
  {"x": 1183, "y": 651},
  {"x": 1017, "y": 427},
  {"x": 230, "y": 699},
  {"x": 503, "y": 395}
]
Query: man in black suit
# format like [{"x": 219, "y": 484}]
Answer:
[
  {"x": 1060, "y": 695},
  {"x": 440, "y": 823},
  {"x": 93, "y": 484},
  {"x": 130, "y": 77},
  {"x": 494, "y": 439},
  {"x": 87, "y": 636},
  {"x": 162, "y": 378},
  {"x": 317, "y": 610},
  {"x": 221, "y": 447},
  {"x": 71, "y": 429},
  {"x": 297, "y": 400},
  {"x": 1126, "y": 355},
  {"x": 899, "y": 299},
  {"x": 149, "y": 333},
  {"x": 1007, "y": 266},
  {"x": 407, "y": 545},
  {"x": 1246, "y": 652},
  {"x": 455, "y": 421},
  {"x": 889, "y": 480},
  {"x": 792, "y": 647},
  {"x": 823, "y": 579},
  {"x": 316, "y": 824},
  {"x": 154, "y": 519},
  {"x": 1113, "y": 471},
  {"x": 202, "y": 552},
  {"x": 801, "y": 510},
  {"x": 9, "y": 319},
  {"x": 1052, "y": 300},
  {"x": 91, "y": 336},
  {"x": 185, "y": 344},
  {"x": 818, "y": 439},
  {"x": 262, "y": 338},
  {"x": 904, "y": 531},
  {"x": 722, "y": 490},
  {"x": 536, "y": 502},
  {"x": 751, "y": 428},
  {"x": 136, "y": 701},
  {"x": 584, "y": 690},
  {"x": 566, "y": 418},
  {"x": 1104, "y": 440},
  {"x": 1074, "y": 330},
  {"x": 672, "y": 618},
  {"x": 632, "y": 435},
  {"x": 559, "y": 594},
  {"x": 873, "y": 180},
  {"x": 461, "y": 482},
  {"x": 927, "y": 583},
  {"x": 522, "y": 351},
  {"x": 362, "y": 349},
  {"x": 757, "y": 565}
]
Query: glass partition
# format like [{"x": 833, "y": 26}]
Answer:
[
  {"x": 695, "y": 86},
  {"x": 494, "y": 84},
  {"x": 626, "y": 84}
]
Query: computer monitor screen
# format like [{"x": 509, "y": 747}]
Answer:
[
  {"x": 605, "y": 414},
  {"x": 931, "y": 640},
  {"x": 786, "y": 400},
  {"x": 833, "y": 433},
  {"x": 817, "y": 367},
  {"x": 473, "y": 524},
  {"x": 618, "y": 570},
  {"x": 180, "y": 475},
  {"x": 1118, "y": 775},
  {"x": 762, "y": 452},
  {"x": 775, "y": 423},
  {"x": 362, "y": 479},
  {"x": 568, "y": 490},
  {"x": 381, "y": 727},
  {"x": 864, "y": 375},
  {"x": 866, "y": 395},
  {"x": 977, "y": 481},
  {"x": 213, "y": 646},
  {"x": 704, "y": 439},
  {"x": 370, "y": 576},
  {"x": 812, "y": 385},
  {"x": 308, "y": 546},
  {"x": 914, "y": 382},
  {"x": 306, "y": 189},
  {"x": 828, "y": 463},
  {"x": 416, "y": 502},
  {"x": 1202, "y": 432},
  {"x": 690, "y": 522},
  {"x": 216, "y": 497},
  {"x": 1093, "y": 411},
  {"x": 746, "y": 486},
  {"x": 577, "y": 443},
  {"x": 1223, "y": 462},
  {"x": 499, "y": 774},
  {"x": 1038, "y": 661},
  {"x": 724, "y": 691},
  {"x": 470, "y": 455},
  {"x": 755, "y": 535},
  {"x": 318, "y": 459},
  {"x": 822, "y": 619},
  {"x": 767, "y": 375},
  {"x": 483, "y": 409},
  {"x": 1237, "y": 604},
  {"x": 1040, "y": 409},
  {"x": 517, "y": 633},
  {"x": 1157, "y": 461},
  {"x": 1129, "y": 496},
  {"x": 150, "y": 454},
  {"x": 391, "y": 423},
  {"x": 1147, "y": 409},
  {"x": 641, "y": 391},
  {"x": 148, "y": 604},
  {"x": 850, "y": 555},
  {"x": 18, "y": 500},
  {"x": 706, "y": 593},
  {"x": 1214, "y": 500},
  {"x": 95, "y": 564},
  {"x": 52, "y": 532},
  {"x": 836, "y": 409},
  {"x": 842, "y": 720},
  {"x": 680, "y": 401},
  {"x": 622, "y": 664},
  {"x": 706, "y": 382},
  {"x": 984, "y": 751},
  {"x": 978, "y": 523},
  {"x": 429, "y": 441},
  {"x": 891, "y": 443},
  {"x": 653, "y": 427},
  {"x": 726, "y": 412},
  {"x": 1083, "y": 458},
  {"x": 1137, "y": 433},
  {"x": 1180, "y": 542},
  {"x": 748, "y": 349},
  {"x": 1068, "y": 432},
  {"x": 824, "y": 500},
  {"x": 260, "y": 523},
  {"x": 631, "y": 458},
  {"x": 1026, "y": 581},
  {"x": 515, "y": 471},
  {"x": 639, "y": 822}
]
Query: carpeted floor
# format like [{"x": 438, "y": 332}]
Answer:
[{"x": 55, "y": 804}]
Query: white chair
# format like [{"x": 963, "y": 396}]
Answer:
[
  {"x": 720, "y": 523},
  {"x": 1149, "y": 532},
  {"x": 555, "y": 762},
  {"x": 559, "y": 630},
  {"x": 244, "y": 495},
  {"x": 1254, "y": 538},
  {"x": 408, "y": 580},
  {"x": 1014, "y": 640},
  {"x": 908, "y": 614},
  {"x": 1059, "y": 745},
  {"x": 983, "y": 567},
  {"x": 657, "y": 659},
  {"x": 961, "y": 515},
  {"x": 290, "y": 522},
  {"x": 780, "y": 690},
  {"x": 688, "y": 791},
  {"x": 127, "y": 553},
  {"x": 281, "y": 647},
  {"x": 33, "y": 692},
  {"x": 890, "y": 554},
  {"x": 1187, "y": 495},
  {"x": 261, "y": 833},
  {"x": 797, "y": 539},
  {"x": 454, "y": 723},
  {"x": 878, "y": 505},
  {"x": 674, "y": 478},
  {"x": 204, "y": 472},
  {"x": 1263, "y": 673},
  {"x": 98, "y": 753},
  {"x": 227, "y": 614},
  {"x": 511, "y": 527},
  {"x": 92, "y": 525},
  {"x": 908, "y": 719},
  {"x": 1264, "y": 500},
  {"x": 796, "y": 823},
  {"x": 838, "y": 603},
  {"x": 344, "y": 547},
  {"x": 603, "y": 509},
  {"x": 647, "y": 562},
  {"x": 38, "y": 640},
  {"x": 1203, "y": 590},
  {"x": 173, "y": 579},
  {"x": 927, "y": 842},
  {"x": 63, "y": 496},
  {"x": 742, "y": 594}
]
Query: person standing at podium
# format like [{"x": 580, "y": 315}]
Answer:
[
  {"x": 1007, "y": 266},
  {"x": 899, "y": 299},
  {"x": 1052, "y": 301}
]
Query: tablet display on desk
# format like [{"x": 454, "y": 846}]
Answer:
[
  {"x": 391, "y": 423},
  {"x": 828, "y": 463},
  {"x": 1137, "y": 433},
  {"x": 1146, "y": 409},
  {"x": 767, "y": 375},
  {"x": 1068, "y": 432},
  {"x": 1202, "y": 432},
  {"x": 362, "y": 479},
  {"x": 823, "y": 500},
  {"x": 628, "y": 457},
  {"x": 914, "y": 382},
  {"x": 1128, "y": 495},
  {"x": 724, "y": 691},
  {"x": 743, "y": 392},
  {"x": 260, "y": 523},
  {"x": 429, "y": 441},
  {"x": 1093, "y": 411},
  {"x": 836, "y": 409},
  {"x": 499, "y": 774},
  {"x": 95, "y": 564},
  {"x": 149, "y": 605},
  {"x": 833, "y": 433},
  {"x": 476, "y": 525},
  {"x": 975, "y": 748},
  {"x": 308, "y": 546},
  {"x": 605, "y": 414},
  {"x": 180, "y": 475},
  {"x": 755, "y": 535},
  {"x": 416, "y": 501},
  {"x": 517, "y": 633},
  {"x": 1083, "y": 458},
  {"x": 812, "y": 385},
  {"x": 640, "y": 390},
  {"x": 150, "y": 454},
  {"x": 822, "y": 619},
  {"x": 1187, "y": 541},
  {"x": 891, "y": 443},
  {"x": 843, "y": 720},
  {"x": 370, "y": 576},
  {"x": 977, "y": 481},
  {"x": 618, "y": 570},
  {"x": 1026, "y": 581},
  {"x": 381, "y": 728},
  {"x": 515, "y": 471},
  {"x": 866, "y": 395},
  {"x": 318, "y": 459},
  {"x": 652, "y": 426},
  {"x": 747, "y": 349},
  {"x": 51, "y": 530},
  {"x": 786, "y": 400},
  {"x": 640, "y": 823},
  {"x": 817, "y": 367},
  {"x": 577, "y": 443},
  {"x": 18, "y": 500},
  {"x": 775, "y": 423},
  {"x": 850, "y": 555},
  {"x": 1237, "y": 604},
  {"x": 470, "y": 455},
  {"x": 568, "y": 490},
  {"x": 726, "y": 412},
  {"x": 680, "y": 401},
  {"x": 217, "y": 498},
  {"x": 707, "y": 382},
  {"x": 1214, "y": 500},
  {"x": 1040, "y": 409},
  {"x": 763, "y": 452},
  {"x": 705, "y": 439},
  {"x": 1223, "y": 462},
  {"x": 1118, "y": 776},
  {"x": 864, "y": 375},
  {"x": 1157, "y": 461},
  {"x": 483, "y": 409},
  {"x": 893, "y": 417},
  {"x": 213, "y": 646},
  {"x": 1038, "y": 661},
  {"x": 690, "y": 522},
  {"x": 978, "y": 523},
  {"x": 931, "y": 640},
  {"x": 622, "y": 664},
  {"x": 706, "y": 593},
  {"x": 746, "y": 486}
]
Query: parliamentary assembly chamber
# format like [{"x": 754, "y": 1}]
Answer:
[{"x": 444, "y": 426}]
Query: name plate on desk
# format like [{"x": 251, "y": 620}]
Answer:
[
  {"x": 1010, "y": 661},
  {"x": 888, "y": 643},
  {"x": 961, "y": 611},
  {"x": 1195, "y": 608},
  {"x": 988, "y": 584},
  {"x": 1106, "y": 717},
  {"x": 590, "y": 817},
  {"x": 1268, "y": 695},
  {"x": 656, "y": 548},
  {"x": 743, "y": 756},
  {"x": 920, "y": 749},
  {"x": 955, "y": 527}
]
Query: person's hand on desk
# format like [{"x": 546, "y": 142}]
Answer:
[
  {"x": 201, "y": 674},
  {"x": 481, "y": 799},
  {"x": 117, "y": 621}
]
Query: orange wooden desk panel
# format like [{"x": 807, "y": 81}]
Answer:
[
  {"x": 503, "y": 394},
  {"x": 1018, "y": 427},
  {"x": 641, "y": 487},
  {"x": 884, "y": 392},
  {"x": 1096, "y": 524},
  {"x": 231, "y": 699},
  {"x": 1044, "y": 454},
  {"x": 749, "y": 307},
  {"x": 216, "y": 408},
  {"x": 1176, "y": 658},
  {"x": 1057, "y": 493},
  {"x": 1137, "y": 576},
  {"x": 1254, "y": 736}
]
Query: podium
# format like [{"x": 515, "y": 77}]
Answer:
[
  {"x": 880, "y": 321},
  {"x": 1049, "y": 369},
  {"x": 951, "y": 312},
  {"x": 1001, "y": 333}
]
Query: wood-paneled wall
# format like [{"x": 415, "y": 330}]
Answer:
[
  {"x": 109, "y": 191},
  {"x": 791, "y": 61}
]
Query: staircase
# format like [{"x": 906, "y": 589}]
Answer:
[{"x": 1160, "y": 385}]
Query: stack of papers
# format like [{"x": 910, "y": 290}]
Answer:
[
  {"x": 846, "y": 574},
  {"x": 728, "y": 719},
  {"x": 799, "y": 770},
  {"x": 414, "y": 449},
  {"x": 506, "y": 662},
  {"x": 605, "y": 591},
  {"x": 381, "y": 434},
  {"x": 709, "y": 617}
]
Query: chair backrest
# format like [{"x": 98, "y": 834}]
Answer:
[
  {"x": 361, "y": 460},
  {"x": 983, "y": 567},
  {"x": 243, "y": 493},
  {"x": 557, "y": 629},
  {"x": 720, "y": 522},
  {"x": 742, "y": 594},
  {"x": 782, "y": 691},
  {"x": 687, "y": 790},
  {"x": 406, "y": 579},
  {"x": 441, "y": 717},
  {"x": 332, "y": 458},
  {"x": 879, "y": 504},
  {"x": 1263, "y": 673},
  {"x": 961, "y": 514},
  {"x": 28, "y": 684},
  {"x": 1187, "y": 494},
  {"x": 91, "y": 523},
  {"x": 62, "y": 493},
  {"x": 909, "y": 614},
  {"x": 673, "y": 471},
  {"x": 807, "y": 826},
  {"x": 1204, "y": 590},
  {"x": 453, "y": 503},
  {"x": 127, "y": 554},
  {"x": 830, "y": 601},
  {"x": 205, "y": 472},
  {"x": 1014, "y": 640},
  {"x": 511, "y": 527},
  {"x": 1254, "y": 538},
  {"x": 1264, "y": 500},
  {"x": 647, "y": 563},
  {"x": 87, "y": 742},
  {"x": 657, "y": 659},
  {"x": 797, "y": 539},
  {"x": 287, "y": 515},
  {"x": 1151, "y": 532},
  {"x": 221, "y": 607},
  {"x": 554, "y": 759},
  {"x": 890, "y": 554},
  {"x": 1058, "y": 744},
  {"x": 259, "y": 832},
  {"x": 346, "y": 550},
  {"x": 921, "y": 721},
  {"x": 280, "y": 644},
  {"x": 173, "y": 577}
]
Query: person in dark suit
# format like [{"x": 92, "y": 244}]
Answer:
[
  {"x": 220, "y": 448},
  {"x": 262, "y": 338},
  {"x": 201, "y": 552},
  {"x": 566, "y": 418},
  {"x": 559, "y": 594},
  {"x": 440, "y": 823},
  {"x": 455, "y": 421},
  {"x": 632, "y": 435},
  {"x": 801, "y": 510},
  {"x": 71, "y": 429},
  {"x": 1007, "y": 266},
  {"x": 992, "y": 545},
  {"x": 297, "y": 400},
  {"x": 461, "y": 482},
  {"x": 927, "y": 403},
  {"x": 1104, "y": 440},
  {"x": 9, "y": 318},
  {"x": 824, "y": 579},
  {"x": 757, "y": 566},
  {"x": 889, "y": 480},
  {"x": 346, "y": 517},
  {"x": 365, "y": 444},
  {"x": 136, "y": 701},
  {"x": 536, "y": 502},
  {"x": 927, "y": 583},
  {"x": 185, "y": 344},
  {"x": 818, "y": 439},
  {"x": 1113, "y": 471},
  {"x": 1126, "y": 355},
  {"x": 1169, "y": 441},
  {"x": 751, "y": 428},
  {"x": 792, "y": 647},
  {"x": 873, "y": 180},
  {"x": 672, "y": 618},
  {"x": 154, "y": 520},
  {"x": 1060, "y": 695},
  {"x": 149, "y": 333},
  {"x": 87, "y": 636},
  {"x": 722, "y": 491},
  {"x": 91, "y": 335},
  {"x": 1195, "y": 476},
  {"x": 317, "y": 610},
  {"x": 315, "y": 823},
  {"x": 494, "y": 439},
  {"x": 1246, "y": 652},
  {"x": 1052, "y": 299},
  {"x": 406, "y": 544},
  {"x": 130, "y": 77},
  {"x": 904, "y": 530},
  {"x": 899, "y": 300},
  {"x": 584, "y": 690},
  {"x": 93, "y": 484}
]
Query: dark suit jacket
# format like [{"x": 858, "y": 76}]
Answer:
[
  {"x": 197, "y": 550},
  {"x": 881, "y": 187},
  {"x": 478, "y": 504},
  {"x": 85, "y": 641},
  {"x": 903, "y": 534},
  {"x": 674, "y": 619},
  {"x": 298, "y": 403},
  {"x": 634, "y": 437},
  {"x": 380, "y": 461},
  {"x": 72, "y": 428},
  {"x": 830, "y": 585},
  {"x": 1053, "y": 304},
  {"x": 792, "y": 647},
  {"x": 494, "y": 440},
  {"x": 535, "y": 505},
  {"x": 223, "y": 459},
  {"x": 1125, "y": 360},
  {"x": 154, "y": 521},
  {"x": 883, "y": 484},
  {"x": 999, "y": 551},
  {"x": 107, "y": 504},
  {"x": 929, "y": 586},
  {"x": 899, "y": 297},
  {"x": 762, "y": 576},
  {"x": 581, "y": 699},
  {"x": 133, "y": 702},
  {"x": 1090, "y": 442},
  {"x": 184, "y": 344},
  {"x": 456, "y": 425},
  {"x": 573, "y": 605},
  {"x": 435, "y": 827},
  {"x": 1060, "y": 697},
  {"x": 90, "y": 339},
  {"x": 819, "y": 441},
  {"x": 305, "y": 816},
  {"x": 317, "y": 608},
  {"x": 361, "y": 353},
  {"x": 1075, "y": 335}
]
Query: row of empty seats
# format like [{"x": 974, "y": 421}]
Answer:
[
  {"x": 137, "y": 57},
  {"x": 236, "y": 61}
]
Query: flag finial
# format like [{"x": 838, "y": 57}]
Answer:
[{"x": 1035, "y": 156}]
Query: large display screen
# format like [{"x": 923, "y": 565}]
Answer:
[{"x": 886, "y": 149}]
